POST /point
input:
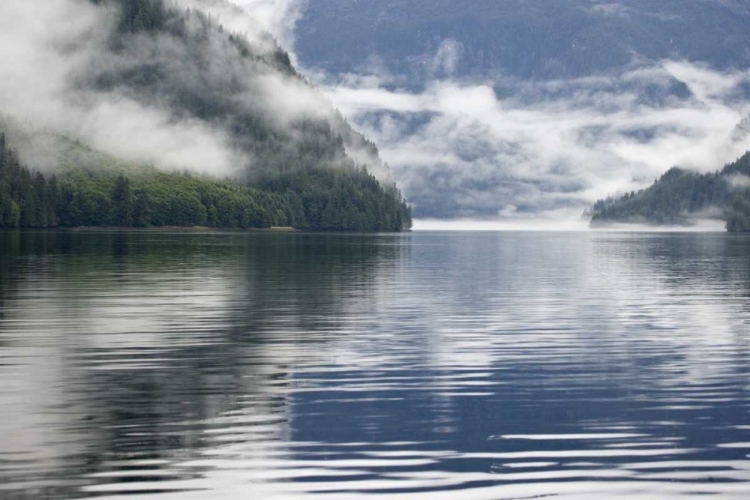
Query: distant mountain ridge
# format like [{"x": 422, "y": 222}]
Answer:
[
  {"x": 602, "y": 83},
  {"x": 526, "y": 39}
]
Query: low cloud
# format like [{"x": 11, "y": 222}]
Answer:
[
  {"x": 459, "y": 150},
  {"x": 289, "y": 100},
  {"x": 447, "y": 57},
  {"x": 47, "y": 47},
  {"x": 61, "y": 77},
  {"x": 739, "y": 181}
]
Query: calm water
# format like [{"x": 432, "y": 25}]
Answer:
[{"x": 417, "y": 366}]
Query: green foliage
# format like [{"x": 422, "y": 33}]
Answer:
[
  {"x": 111, "y": 194},
  {"x": 122, "y": 201},
  {"x": 24, "y": 198},
  {"x": 340, "y": 200},
  {"x": 678, "y": 196}
]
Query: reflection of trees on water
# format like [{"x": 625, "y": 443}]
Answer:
[{"x": 156, "y": 338}]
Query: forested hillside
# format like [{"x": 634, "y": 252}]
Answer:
[
  {"x": 680, "y": 196},
  {"x": 286, "y": 157},
  {"x": 112, "y": 193}
]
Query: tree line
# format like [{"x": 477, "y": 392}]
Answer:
[{"x": 146, "y": 197}]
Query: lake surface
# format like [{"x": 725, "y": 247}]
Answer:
[{"x": 414, "y": 366}]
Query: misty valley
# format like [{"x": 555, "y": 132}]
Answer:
[{"x": 355, "y": 249}]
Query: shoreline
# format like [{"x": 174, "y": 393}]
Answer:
[{"x": 184, "y": 229}]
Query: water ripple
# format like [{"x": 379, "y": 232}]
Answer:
[{"x": 418, "y": 366}]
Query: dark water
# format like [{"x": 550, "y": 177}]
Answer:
[{"x": 418, "y": 366}]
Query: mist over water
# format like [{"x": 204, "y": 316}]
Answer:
[{"x": 423, "y": 365}]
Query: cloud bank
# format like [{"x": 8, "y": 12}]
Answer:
[{"x": 459, "y": 150}]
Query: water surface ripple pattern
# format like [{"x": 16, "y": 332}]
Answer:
[{"x": 415, "y": 366}]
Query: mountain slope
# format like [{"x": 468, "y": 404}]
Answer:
[
  {"x": 149, "y": 83},
  {"x": 182, "y": 61}
]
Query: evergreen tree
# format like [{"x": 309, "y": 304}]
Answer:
[
  {"x": 122, "y": 202},
  {"x": 141, "y": 209}
]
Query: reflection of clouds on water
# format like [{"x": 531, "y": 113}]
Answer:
[
  {"x": 506, "y": 365},
  {"x": 60, "y": 330},
  {"x": 675, "y": 305},
  {"x": 113, "y": 339},
  {"x": 272, "y": 474},
  {"x": 600, "y": 309}
]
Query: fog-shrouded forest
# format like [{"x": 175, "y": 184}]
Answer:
[
  {"x": 681, "y": 196},
  {"x": 125, "y": 195},
  {"x": 239, "y": 138}
]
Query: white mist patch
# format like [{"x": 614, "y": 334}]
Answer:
[
  {"x": 739, "y": 181},
  {"x": 510, "y": 220},
  {"x": 46, "y": 47},
  {"x": 42, "y": 46},
  {"x": 563, "y": 145},
  {"x": 561, "y": 222},
  {"x": 235, "y": 19},
  {"x": 696, "y": 226},
  {"x": 447, "y": 57},
  {"x": 152, "y": 137},
  {"x": 288, "y": 100},
  {"x": 254, "y": 19},
  {"x": 278, "y": 17}
]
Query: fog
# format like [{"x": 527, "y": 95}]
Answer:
[
  {"x": 457, "y": 149},
  {"x": 49, "y": 47},
  {"x": 65, "y": 80},
  {"x": 562, "y": 222}
]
